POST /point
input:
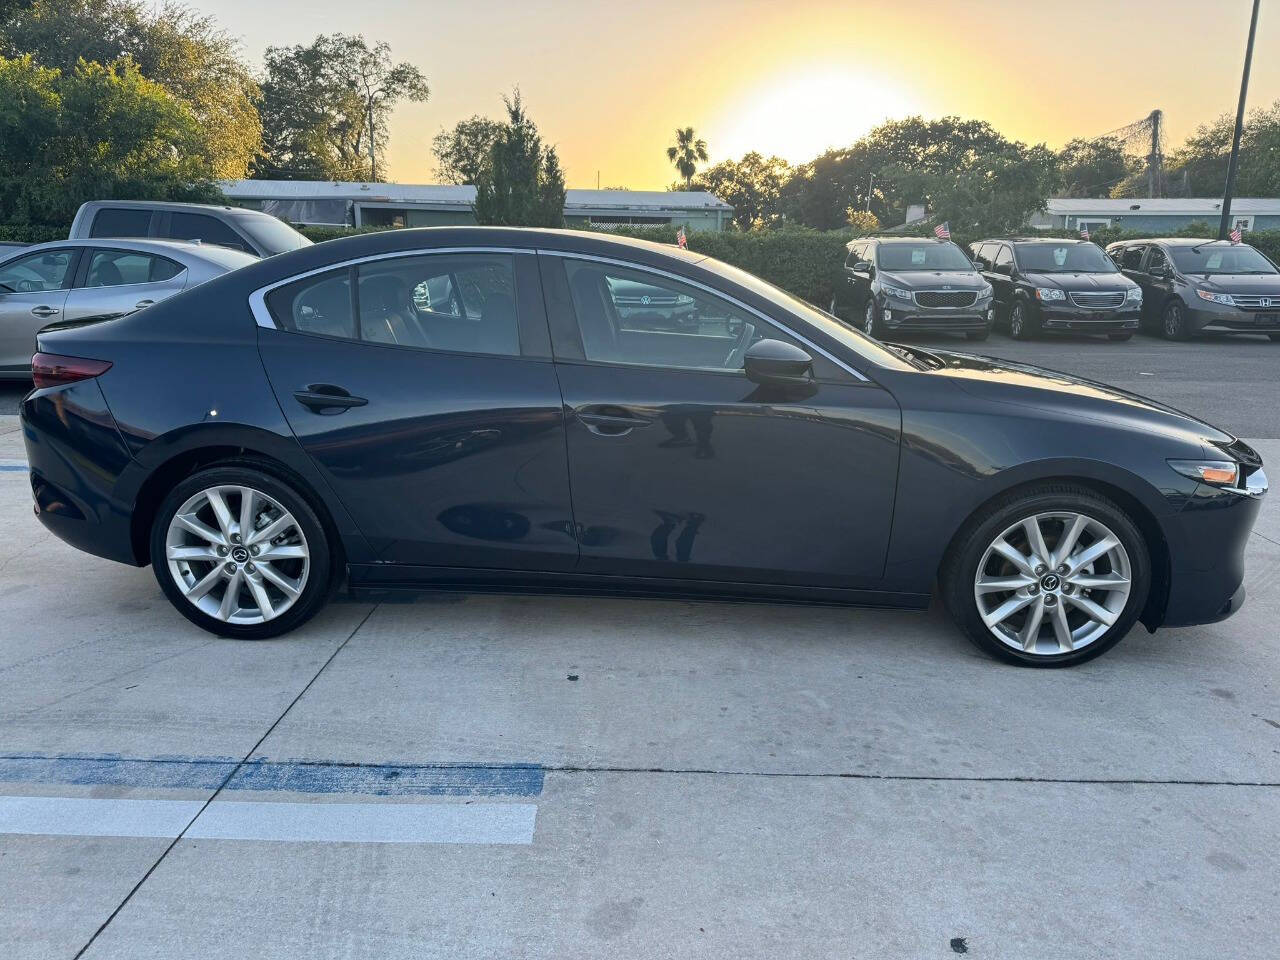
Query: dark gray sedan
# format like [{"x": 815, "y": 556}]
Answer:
[{"x": 70, "y": 280}]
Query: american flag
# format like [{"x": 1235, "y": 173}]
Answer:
[
  {"x": 681, "y": 240},
  {"x": 1084, "y": 233},
  {"x": 942, "y": 231},
  {"x": 1236, "y": 235}
]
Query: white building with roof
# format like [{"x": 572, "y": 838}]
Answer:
[
  {"x": 1156, "y": 215},
  {"x": 324, "y": 203}
]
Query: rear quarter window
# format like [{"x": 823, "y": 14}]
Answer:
[{"x": 120, "y": 222}]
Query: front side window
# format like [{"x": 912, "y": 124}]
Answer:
[
  {"x": 118, "y": 222},
  {"x": 1131, "y": 257},
  {"x": 206, "y": 229},
  {"x": 1063, "y": 258},
  {"x": 1004, "y": 259},
  {"x": 1157, "y": 262},
  {"x": 925, "y": 255},
  {"x": 37, "y": 272},
  {"x": 635, "y": 317},
  {"x": 112, "y": 268}
]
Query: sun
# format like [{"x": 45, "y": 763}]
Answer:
[{"x": 797, "y": 114}]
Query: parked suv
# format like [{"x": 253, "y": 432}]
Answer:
[
  {"x": 1046, "y": 285},
  {"x": 912, "y": 284},
  {"x": 252, "y": 231},
  {"x": 1192, "y": 286}
]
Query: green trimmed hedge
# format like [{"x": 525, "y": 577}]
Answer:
[{"x": 32, "y": 232}]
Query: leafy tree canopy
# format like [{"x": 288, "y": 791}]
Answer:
[
  {"x": 686, "y": 153},
  {"x": 522, "y": 184},
  {"x": 183, "y": 51},
  {"x": 1205, "y": 154},
  {"x": 462, "y": 152},
  {"x": 1093, "y": 168},
  {"x": 752, "y": 186},
  {"x": 316, "y": 106}
]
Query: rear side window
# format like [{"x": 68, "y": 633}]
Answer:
[
  {"x": 111, "y": 268},
  {"x": 319, "y": 305},
  {"x": 206, "y": 229},
  {"x": 120, "y": 222}
]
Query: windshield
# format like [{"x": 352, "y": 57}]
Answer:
[
  {"x": 1063, "y": 258},
  {"x": 838, "y": 330},
  {"x": 1220, "y": 258},
  {"x": 272, "y": 235},
  {"x": 925, "y": 255}
]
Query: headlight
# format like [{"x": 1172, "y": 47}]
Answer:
[
  {"x": 1134, "y": 294},
  {"x": 1223, "y": 298},
  {"x": 897, "y": 292},
  {"x": 1217, "y": 473},
  {"x": 985, "y": 292},
  {"x": 1049, "y": 293}
]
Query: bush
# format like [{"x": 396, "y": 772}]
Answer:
[
  {"x": 321, "y": 234},
  {"x": 32, "y": 232}
]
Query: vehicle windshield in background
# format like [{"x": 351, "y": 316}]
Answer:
[
  {"x": 274, "y": 236},
  {"x": 1220, "y": 258},
  {"x": 1064, "y": 258},
  {"x": 925, "y": 255}
]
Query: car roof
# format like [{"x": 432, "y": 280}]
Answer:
[
  {"x": 1034, "y": 240},
  {"x": 1173, "y": 241},
  {"x": 896, "y": 238},
  {"x": 222, "y": 208},
  {"x": 185, "y": 249}
]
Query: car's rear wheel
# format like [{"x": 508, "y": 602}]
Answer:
[
  {"x": 871, "y": 320},
  {"x": 1051, "y": 576},
  {"x": 240, "y": 553},
  {"x": 1020, "y": 326},
  {"x": 1174, "y": 321}
]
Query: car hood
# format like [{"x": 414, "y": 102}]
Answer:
[
  {"x": 1081, "y": 281},
  {"x": 1250, "y": 283},
  {"x": 1007, "y": 381},
  {"x": 934, "y": 280}
]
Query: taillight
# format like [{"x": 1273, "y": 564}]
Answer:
[{"x": 53, "y": 370}]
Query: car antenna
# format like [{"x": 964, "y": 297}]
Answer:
[{"x": 1196, "y": 248}]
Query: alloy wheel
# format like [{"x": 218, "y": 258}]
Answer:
[
  {"x": 1015, "y": 320},
  {"x": 237, "y": 554},
  {"x": 869, "y": 319},
  {"x": 1173, "y": 321},
  {"x": 1053, "y": 583}
]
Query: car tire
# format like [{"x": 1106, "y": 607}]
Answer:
[
  {"x": 977, "y": 334},
  {"x": 871, "y": 324},
  {"x": 1021, "y": 327},
  {"x": 832, "y": 311},
  {"x": 200, "y": 559},
  {"x": 1173, "y": 321},
  {"x": 1119, "y": 337},
  {"x": 975, "y": 574}
]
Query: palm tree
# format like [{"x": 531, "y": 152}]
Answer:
[{"x": 687, "y": 153}]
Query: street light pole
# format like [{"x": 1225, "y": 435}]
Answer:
[{"x": 1224, "y": 226}]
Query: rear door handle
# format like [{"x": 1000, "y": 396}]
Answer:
[
  {"x": 610, "y": 421},
  {"x": 327, "y": 399},
  {"x": 43, "y": 311}
]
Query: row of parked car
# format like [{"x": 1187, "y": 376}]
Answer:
[
  {"x": 122, "y": 256},
  {"x": 1037, "y": 285}
]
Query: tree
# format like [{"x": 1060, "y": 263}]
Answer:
[
  {"x": 184, "y": 52},
  {"x": 1203, "y": 158},
  {"x": 326, "y": 108},
  {"x": 1093, "y": 168},
  {"x": 91, "y": 133},
  {"x": 522, "y": 184},
  {"x": 752, "y": 186},
  {"x": 462, "y": 152},
  {"x": 687, "y": 153},
  {"x": 862, "y": 221}
]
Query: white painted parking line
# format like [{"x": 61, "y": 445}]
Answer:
[
  {"x": 90, "y": 817},
  {"x": 470, "y": 823},
  {"x": 367, "y": 822}
]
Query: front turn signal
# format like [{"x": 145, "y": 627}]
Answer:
[{"x": 1217, "y": 473}]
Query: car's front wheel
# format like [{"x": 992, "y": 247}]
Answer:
[
  {"x": 871, "y": 320},
  {"x": 1049, "y": 576},
  {"x": 1174, "y": 325},
  {"x": 1020, "y": 326},
  {"x": 240, "y": 552}
]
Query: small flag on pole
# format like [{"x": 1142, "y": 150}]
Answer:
[
  {"x": 681, "y": 240},
  {"x": 1236, "y": 235},
  {"x": 942, "y": 231},
  {"x": 1084, "y": 233}
]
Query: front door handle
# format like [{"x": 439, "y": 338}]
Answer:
[
  {"x": 327, "y": 399},
  {"x": 143, "y": 303},
  {"x": 609, "y": 420},
  {"x": 43, "y": 311}
]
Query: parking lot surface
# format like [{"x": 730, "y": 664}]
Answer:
[{"x": 489, "y": 776}]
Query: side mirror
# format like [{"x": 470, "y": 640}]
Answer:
[
  {"x": 863, "y": 266},
  {"x": 775, "y": 362}
]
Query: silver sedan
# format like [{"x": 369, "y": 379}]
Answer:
[{"x": 72, "y": 280}]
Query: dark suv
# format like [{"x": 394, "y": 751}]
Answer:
[
  {"x": 1202, "y": 286},
  {"x": 909, "y": 284},
  {"x": 1045, "y": 285}
]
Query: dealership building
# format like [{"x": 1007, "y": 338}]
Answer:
[
  {"x": 323, "y": 203},
  {"x": 1157, "y": 215}
]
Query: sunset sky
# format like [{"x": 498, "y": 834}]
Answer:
[{"x": 608, "y": 82}]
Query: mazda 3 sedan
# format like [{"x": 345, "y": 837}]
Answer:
[{"x": 472, "y": 408}]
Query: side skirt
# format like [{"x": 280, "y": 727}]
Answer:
[{"x": 366, "y": 578}]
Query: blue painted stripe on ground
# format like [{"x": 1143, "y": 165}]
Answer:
[
  {"x": 13, "y": 468},
  {"x": 299, "y": 776}
]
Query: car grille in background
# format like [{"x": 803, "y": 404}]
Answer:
[
  {"x": 633, "y": 301},
  {"x": 1098, "y": 301},
  {"x": 946, "y": 298},
  {"x": 1271, "y": 302}
]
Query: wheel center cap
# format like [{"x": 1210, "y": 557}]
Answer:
[
  {"x": 240, "y": 555},
  {"x": 1050, "y": 582}
]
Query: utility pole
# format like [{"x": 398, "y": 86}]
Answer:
[
  {"x": 1224, "y": 226},
  {"x": 373, "y": 147},
  {"x": 1155, "y": 162}
]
